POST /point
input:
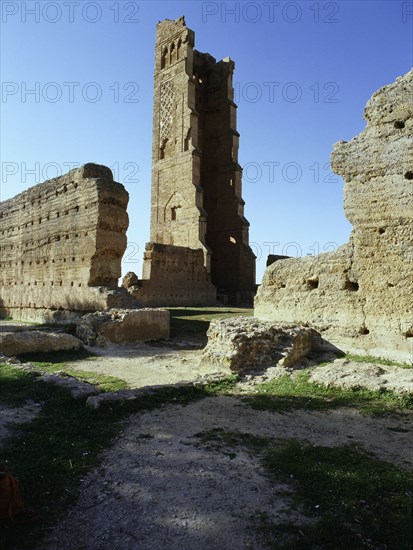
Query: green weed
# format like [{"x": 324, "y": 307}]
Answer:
[
  {"x": 288, "y": 393},
  {"x": 377, "y": 361}
]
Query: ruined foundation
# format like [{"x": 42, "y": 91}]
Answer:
[
  {"x": 173, "y": 276},
  {"x": 61, "y": 247},
  {"x": 361, "y": 296},
  {"x": 245, "y": 344}
]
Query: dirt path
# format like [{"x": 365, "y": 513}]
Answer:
[{"x": 158, "y": 488}]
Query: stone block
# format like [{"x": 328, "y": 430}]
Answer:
[
  {"x": 33, "y": 341},
  {"x": 124, "y": 326}
]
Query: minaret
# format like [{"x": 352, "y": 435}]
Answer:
[
  {"x": 176, "y": 217},
  {"x": 196, "y": 179}
]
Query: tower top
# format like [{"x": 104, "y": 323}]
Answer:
[
  {"x": 169, "y": 29},
  {"x": 172, "y": 22}
]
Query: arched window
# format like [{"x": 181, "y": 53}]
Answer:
[
  {"x": 162, "y": 149},
  {"x": 178, "y": 49},
  {"x": 175, "y": 211},
  {"x": 171, "y": 53},
  {"x": 187, "y": 140},
  {"x": 164, "y": 57}
]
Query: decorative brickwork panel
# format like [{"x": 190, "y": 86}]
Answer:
[{"x": 167, "y": 95}]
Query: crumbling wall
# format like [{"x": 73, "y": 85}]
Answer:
[
  {"x": 174, "y": 276},
  {"x": 361, "y": 296},
  {"x": 61, "y": 247}
]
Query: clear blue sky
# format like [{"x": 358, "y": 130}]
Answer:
[{"x": 304, "y": 72}]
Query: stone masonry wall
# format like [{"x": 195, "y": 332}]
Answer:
[
  {"x": 61, "y": 247},
  {"x": 361, "y": 296},
  {"x": 174, "y": 276}
]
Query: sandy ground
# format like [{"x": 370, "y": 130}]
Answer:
[
  {"x": 157, "y": 488},
  {"x": 146, "y": 365}
]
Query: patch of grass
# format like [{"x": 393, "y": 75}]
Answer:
[
  {"x": 56, "y": 361},
  {"x": 288, "y": 393},
  {"x": 17, "y": 386},
  {"x": 104, "y": 382},
  {"x": 51, "y": 454},
  {"x": 377, "y": 361},
  {"x": 222, "y": 386},
  {"x": 357, "y": 501}
]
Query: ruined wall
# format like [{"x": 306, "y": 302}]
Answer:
[
  {"x": 61, "y": 247},
  {"x": 361, "y": 296},
  {"x": 196, "y": 180},
  {"x": 174, "y": 276}
]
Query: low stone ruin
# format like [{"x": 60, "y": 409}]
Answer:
[
  {"x": 172, "y": 276},
  {"x": 246, "y": 344},
  {"x": 123, "y": 326},
  {"x": 346, "y": 374},
  {"x": 61, "y": 247},
  {"x": 34, "y": 341},
  {"x": 361, "y": 296}
]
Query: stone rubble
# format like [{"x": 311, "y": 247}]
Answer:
[
  {"x": 77, "y": 388},
  {"x": 245, "y": 343},
  {"x": 347, "y": 374}
]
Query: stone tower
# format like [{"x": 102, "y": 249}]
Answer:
[{"x": 196, "y": 179}]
